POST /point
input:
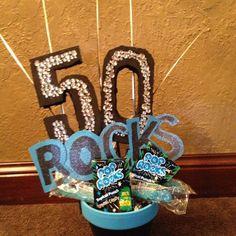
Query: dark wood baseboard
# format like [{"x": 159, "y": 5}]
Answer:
[{"x": 210, "y": 175}]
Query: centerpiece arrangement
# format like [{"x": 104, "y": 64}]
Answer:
[{"x": 117, "y": 192}]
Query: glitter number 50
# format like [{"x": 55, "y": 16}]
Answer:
[{"x": 51, "y": 92}]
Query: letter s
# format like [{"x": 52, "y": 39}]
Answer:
[{"x": 176, "y": 143}]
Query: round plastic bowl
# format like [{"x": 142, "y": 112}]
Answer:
[{"x": 119, "y": 221}]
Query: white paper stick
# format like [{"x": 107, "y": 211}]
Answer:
[
  {"x": 180, "y": 57},
  {"x": 132, "y": 44},
  {"x": 131, "y": 23},
  {"x": 47, "y": 26},
  {"x": 18, "y": 62},
  {"x": 15, "y": 58},
  {"x": 98, "y": 43}
]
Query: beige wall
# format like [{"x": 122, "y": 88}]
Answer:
[{"x": 200, "y": 91}]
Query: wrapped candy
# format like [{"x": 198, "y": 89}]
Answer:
[
  {"x": 180, "y": 193},
  {"x": 72, "y": 188},
  {"x": 173, "y": 195}
]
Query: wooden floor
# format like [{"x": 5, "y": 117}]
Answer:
[{"x": 205, "y": 216}]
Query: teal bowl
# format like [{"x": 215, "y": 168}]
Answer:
[{"x": 119, "y": 221}]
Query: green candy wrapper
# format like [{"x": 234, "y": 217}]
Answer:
[
  {"x": 112, "y": 190},
  {"x": 154, "y": 166}
]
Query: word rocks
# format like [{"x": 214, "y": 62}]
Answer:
[
  {"x": 152, "y": 164},
  {"x": 108, "y": 175}
]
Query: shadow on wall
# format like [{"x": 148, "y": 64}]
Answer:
[{"x": 197, "y": 137}]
